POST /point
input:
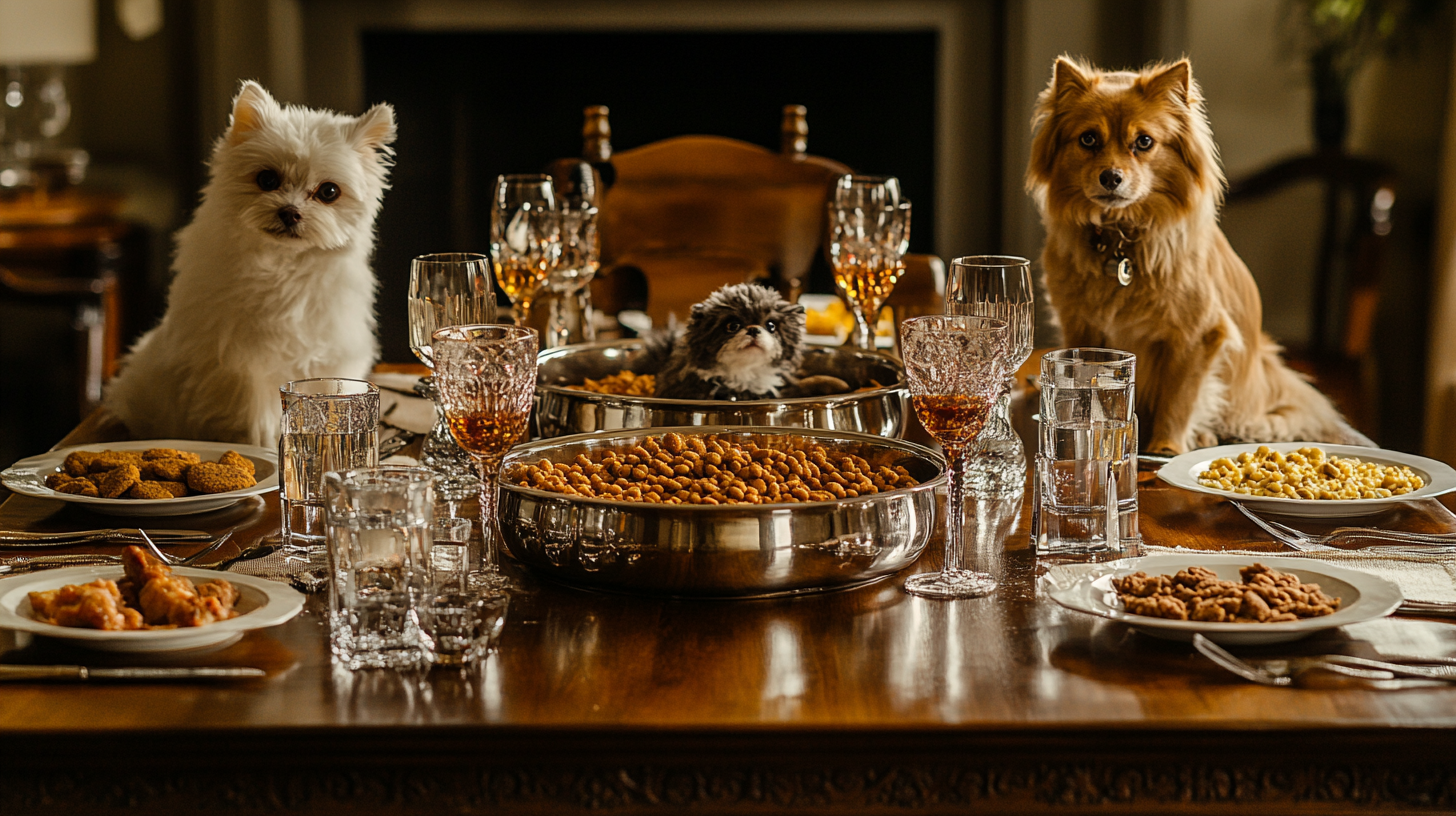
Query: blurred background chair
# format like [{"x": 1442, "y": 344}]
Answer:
[
  {"x": 1344, "y": 250},
  {"x": 684, "y": 216}
]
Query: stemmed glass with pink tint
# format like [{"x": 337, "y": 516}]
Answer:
[
  {"x": 486, "y": 375},
  {"x": 956, "y": 368}
]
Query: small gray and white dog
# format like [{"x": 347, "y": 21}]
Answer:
[{"x": 743, "y": 343}]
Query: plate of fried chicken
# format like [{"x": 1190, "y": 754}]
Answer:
[{"x": 143, "y": 605}]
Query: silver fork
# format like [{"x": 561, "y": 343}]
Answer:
[
  {"x": 32, "y": 562},
  {"x": 1280, "y": 675},
  {"x": 1435, "y": 543}
]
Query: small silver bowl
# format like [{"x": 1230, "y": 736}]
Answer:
[
  {"x": 561, "y": 411},
  {"x": 726, "y": 551}
]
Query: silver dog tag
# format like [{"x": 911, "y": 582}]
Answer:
[{"x": 1122, "y": 267}]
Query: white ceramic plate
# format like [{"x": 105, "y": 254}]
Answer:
[
  {"x": 262, "y": 603},
  {"x": 1362, "y": 596},
  {"x": 1439, "y": 478},
  {"x": 28, "y": 477}
]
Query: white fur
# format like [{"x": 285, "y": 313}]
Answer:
[
  {"x": 747, "y": 364},
  {"x": 255, "y": 305}
]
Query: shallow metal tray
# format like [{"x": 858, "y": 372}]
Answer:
[
  {"x": 561, "y": 411},
  {"x": 725, "y": 551}
]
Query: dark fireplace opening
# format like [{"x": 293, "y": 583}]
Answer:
[{"x": 473, "y": 105}]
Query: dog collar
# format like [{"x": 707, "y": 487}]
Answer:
[{"x": 1116, "y": 262}]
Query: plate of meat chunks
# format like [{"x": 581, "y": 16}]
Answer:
[{"x": 143, "y": 605}]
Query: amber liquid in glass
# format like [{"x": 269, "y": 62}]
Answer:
[
  {"x": 867, "y": 281},
  {"x": 954, "y": 420},
  {"x": 521, "y": 279},
  {"x": 488, "y": 434}
]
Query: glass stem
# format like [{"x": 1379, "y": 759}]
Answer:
[
  {"x": 955, "y": 510},
  {"x": 523, "y": 312},
  {"x": 862, "y": 336},
  {"x": 558, "y": 333},
  {"x": 488, "y": 468}
]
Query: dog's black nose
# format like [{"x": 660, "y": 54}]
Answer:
[
  {"x": 289, "y": 216},
  {"x": 752, "y": 331},
  {"x": 1110, "y": 178}
]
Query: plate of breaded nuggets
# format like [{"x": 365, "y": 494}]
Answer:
[{"x": 150, "y": 477}]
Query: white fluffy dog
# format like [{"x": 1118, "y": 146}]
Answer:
[{"x": 272, "y": 276}]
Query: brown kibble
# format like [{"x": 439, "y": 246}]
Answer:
[
  {"x": 233, "y": 459},
  {"x": 118, "y": 480},
  {"x": 212, "y": 477},
  {"x": 166, "y": 470},
  {"x": 148, "y": 490},
  {"x": 78, "y": 463},
  {"x": 78, "y": 487}
]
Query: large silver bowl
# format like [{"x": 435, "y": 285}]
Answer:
[
  {"x": 725, "y": 551},
  {"x": 561, "y": 411}
]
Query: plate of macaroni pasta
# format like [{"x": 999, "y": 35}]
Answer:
[{"x": 1310, "y": 479}]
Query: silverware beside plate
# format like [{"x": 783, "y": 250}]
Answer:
[
  {"x": 15, "y": 673},
  {"x": 118, "y": 535}
]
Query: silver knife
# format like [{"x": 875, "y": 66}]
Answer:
[
  {"x": 138, "y": 673},
  {"x": 78, "y": 536}
]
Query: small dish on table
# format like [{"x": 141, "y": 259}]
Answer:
[
  {"x": 28, "y": 476},
  {"x": 1089, "y": 589},
  {"x": 1438, "y": 477},
  {"x": 261, "y": 603}
]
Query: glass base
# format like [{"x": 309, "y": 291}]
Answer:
[
  {"x": 948, "y": 585},
  {"x": 491, "y": 579}
]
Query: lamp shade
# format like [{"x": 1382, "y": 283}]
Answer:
[{"x": 47, "y": 31}]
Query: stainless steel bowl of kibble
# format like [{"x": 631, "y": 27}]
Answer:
[
  {"x": 719, "y": 512},
  {"x": 876, "y": 403}
]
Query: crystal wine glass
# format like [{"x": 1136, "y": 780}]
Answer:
[
  {"x": 447, "y": 289},
  {"x": 956, "y": 367},
  {"x": 487, "y": 375},
  {"x": 525, "y": 238},
  {"x": 996, "y": 286},
  {"x": 869, "y": 231}
]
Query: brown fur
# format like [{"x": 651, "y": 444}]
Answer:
[{"x": 1192, "y": 315}]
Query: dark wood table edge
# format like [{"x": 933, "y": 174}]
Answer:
[{"x": 507, "y": 769}]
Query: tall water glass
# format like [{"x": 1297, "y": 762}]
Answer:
[
  {"x": 380, "y": 524},
  {"x": 1086, "y": 464},
  {"x": 487, "y": 377},
  {"x": 956, "y": 368},
  {"x": 525, "y": 238},
  {"x": 329, "y": 424},
  {"x": 996, "y": 286}
]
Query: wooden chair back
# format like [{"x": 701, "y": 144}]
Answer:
[
  {"x": 1356, "y": 197},
  {"x": 692, "y": 213}
]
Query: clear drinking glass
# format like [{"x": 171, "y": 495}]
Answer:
[
  {"x": 525, "y": 238},
  {"x": 379, "y": 535},
  {"x": 464, "y": 625},
  {"x": 447, "y": 289},
  {"x": 956, "y": 368},
  {"x": 571, "y": 315},
  {"x": 996, "y": 286},
  {"x": 1086, "y": 465},
  {"x": 869, "y": 232},
  {"x": 329, "y": 424},
  {"x": 487, "y": 375}
]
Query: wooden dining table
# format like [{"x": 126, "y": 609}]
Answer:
[{"x": 864, "y": 700}]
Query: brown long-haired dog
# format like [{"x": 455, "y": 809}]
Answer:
[{"x": 1128, "y": 181}]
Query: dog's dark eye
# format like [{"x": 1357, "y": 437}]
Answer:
[
  {"x": 1089, "y": 139},
  {"x": 328, "y": 192},
  {"x": 733, "y": 327},
  {"x": 771, "y": 325},
  {"x": 1143, "y": 142},
  {"x": 268, "y": 180}
]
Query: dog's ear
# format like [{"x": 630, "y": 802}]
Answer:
[
  {"x": 251, "y": 107},
  {"x": 1172, "y": 81},
  {"x": 375, "y": 129},
  {"x": 1068, "y": 77}
]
